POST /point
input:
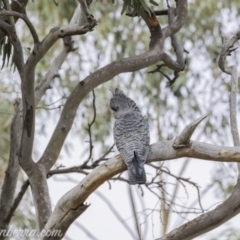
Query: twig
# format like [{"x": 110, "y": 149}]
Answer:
[
  {"x": 25, "y": 185},
  {"x": 90, "y": 130},
  {"x": 116, "y": 213},
  {"x": 134, "y": 212},
  {"x": 179, "y": 179},
  {"x": 76, "y": 169},
  {"x": 120, "y": 179},
  {"x": 10, "y": 113},
  {"x": 52, "y": 108},
  {"x": 85, "y": 230},
  {"x": 179, "y": 64},
  {"x": 103, "y": 157},
  {"x": 55, "y": 101}
]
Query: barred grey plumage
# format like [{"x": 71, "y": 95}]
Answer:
[{"x": 131, "y": 135}]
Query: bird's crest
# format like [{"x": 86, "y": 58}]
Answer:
[{"x": 117, "y": 93}]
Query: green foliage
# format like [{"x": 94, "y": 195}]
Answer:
[
  {"x": 5, "y": 51},
  {"x": 137, "y": 6}
]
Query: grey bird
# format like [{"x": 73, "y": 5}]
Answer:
[{"x": 131, "y": 135}]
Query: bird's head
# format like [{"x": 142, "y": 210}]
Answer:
[{"x": 120, "y": 103}]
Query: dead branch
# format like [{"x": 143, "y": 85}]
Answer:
[
  {"x": 159, "y": 151},
  {"x": 183, "y": 140}
]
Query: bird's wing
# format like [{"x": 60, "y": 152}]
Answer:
[{"x": 131, "y": 133}]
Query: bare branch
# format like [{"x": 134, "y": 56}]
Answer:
[
  {"x": 77, "y": 169},
  {"x": 13, "y": 167},
  {"x": 12, "y": 22},
  {"x": 209, "y": 220},
  {"x": 11, "y": 174},
  {"x": 100, "y": 76},
  {"x": 10, "y": 179},
  {"x": 158, "y": 69},
  {"x": 82, "y": 89},
  {"x": 227, "y": 48},
  {"x": 182, "y": 8},
  {"x": 84, "y": 5},
  {"x": 86, "y": 231},
  {"x": 179, "y": 64},
  {"x": 132, "y": 202},
  {"x": 25, "y": 19},
  {"x": 183, "y": 140},
  {"x": 233, "y": 107},
  {"x": 219, "y": 215},
  {"x": 17, "y": 6},
  {"x": 71, "y": 30},
  {"x": 103, "y": 157},
  {"x": 5, "y": 27},
  {"x": 90, "y": 131},
  {"x": 154, "y": 28},
  {"x": 159, "y": 152},
  {"x": 116, "y": 213}
]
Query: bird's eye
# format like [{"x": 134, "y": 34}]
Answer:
[{"x": 115, "y": 109}]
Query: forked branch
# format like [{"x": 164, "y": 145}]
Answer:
[
  {"x": 160, "y": 151},
  {"x": 219, "y": 215}
]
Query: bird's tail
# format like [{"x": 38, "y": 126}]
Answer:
[
  {"x": 133, "y": 179},
  {"x": 136, "y": 172}
]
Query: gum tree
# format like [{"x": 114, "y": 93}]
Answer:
[{"x": 72, "y": 204}]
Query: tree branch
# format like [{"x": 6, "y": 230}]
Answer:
[
  {"x": 219, "y": 215},
  {"x": 85, "y": 8},
  {"x": 7, "y": 207},
  {"x": 11, "y": 19},
  {"x": 17, "y": 200},
  {"x": 16, "y": 6},
  {"x": 226, "y": 50},
  {"x": 95, "y": 79},
  {"x": 58, "y": 61},
  {"x": 25, "y": 19},
  {"x": 36, "y": 172},
  {"x": 11, "y": 174},
  {"x": 134, "y": 211},
  {"x": 183, "y": 140},
  {"x": 160, "y": 151},
  {"x": 209, "y": 220},
  {"x": 182, "y": 9}
]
